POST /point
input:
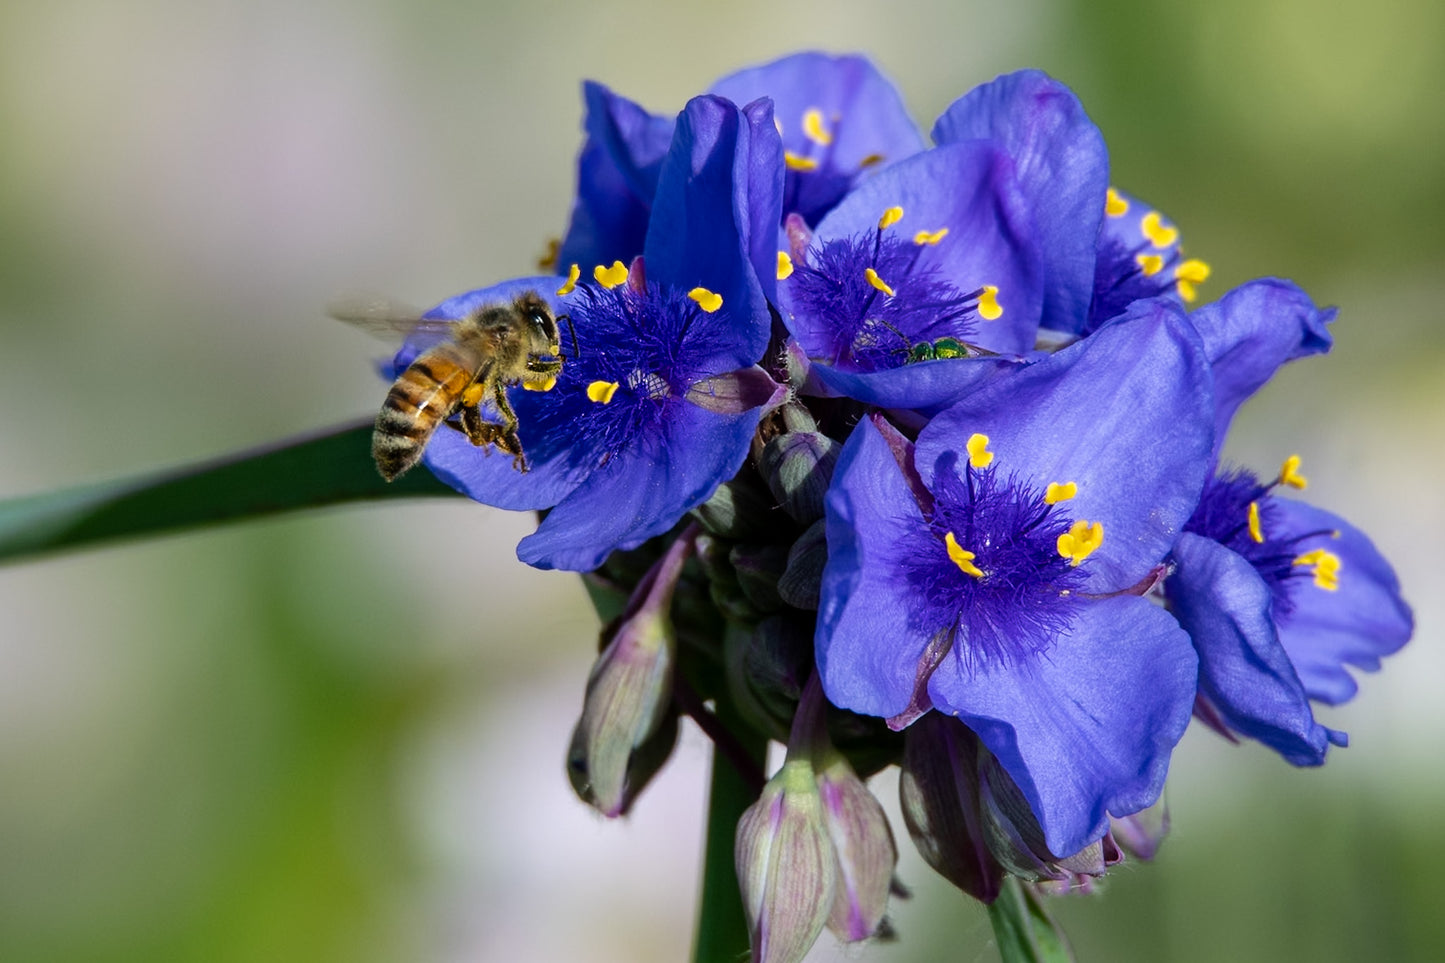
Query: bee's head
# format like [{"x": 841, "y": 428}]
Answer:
[{"x": 539, "y": 325}]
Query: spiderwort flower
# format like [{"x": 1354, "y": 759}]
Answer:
[
  {"x": 1278, "y": 596},
  {"x": 658, "y": 405},
  {"x": 839, "y": 119},
  {"x": 993, "y": 571},
  {"x": 930, "y": 260}
]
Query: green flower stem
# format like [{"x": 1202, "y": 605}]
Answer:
[
  {"x": 722, "y": 927},
  {"x": 324, "y": 469},
  {"x": 1023, "y": 928}
]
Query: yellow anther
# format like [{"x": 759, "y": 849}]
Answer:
[
  {"x": 1256, "y": 531},
  {"x": 601, "y": 391},
  {"x": 978, "y": 454},
  {"x": 1289, "y": 474},
  {"x": 797, "y": 162},
  {"x": 813, "y": 127},
  {"x": 1192, "y": 270},
  {"x": 930, "y": 237},
  {"x": 988, "y": 307},
  {"x": 1150, "y": 264},
  {"x": 573, "y": 273},
  {"x": 1079, "y": 542},
  {"x": 785, "y": 265},
  {"x": 1155, "y": 230},
  {"x": 547, "y": 385},
  {"x": 707, "y": 300},
  {"x": 1056, "y": 492},
  {"x": 961, "y": 556},
  {"x": 1326, "y": 567},
  {"x": 877, "y": 282},
  {"x": 472, "y": 395},
  {"x": 872, "y": 160},
  {"x": 610, "y": 277},
  {"x": 890, "y": 217},
  {"x": 1114, "y": 204},
  {"x": 1189, "y": 274}
]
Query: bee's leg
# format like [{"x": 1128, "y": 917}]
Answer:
[
  {"x": 507, "y": 439},
  {"x": 477, "y": 429}
]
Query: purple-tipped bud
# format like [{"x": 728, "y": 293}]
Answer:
[
  {"x": 1017, "y": 841},
  {"x": 785, "y": 865},
  {"x": 864, "y": 846},
  {"x": 938, "y": 788},
  {"x": 1142, "y": 833},
  {"x": 862, "y": 842},
  {"x": 738, "y": 391},
  {"x": 622, "y": 737}
]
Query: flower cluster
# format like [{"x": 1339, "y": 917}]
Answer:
[{"x": 909, "y": 454}]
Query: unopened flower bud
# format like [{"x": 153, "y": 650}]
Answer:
[
  {"x": 785, "y": 866},
  {"x": 938, "y": 789},
  {"x": 758, "y": 568},
  {"x": 798, "y": 465},
  {"x": 864, "y": 847},
  {"x": 726, "y": 592},
  {"x": 621, "y": 739},
  {"x": 740, "y": 509},
  {"x": 767, "y": 666},
  {"x": 862, "y": 842},
  {"x": 802, "y": 580}
]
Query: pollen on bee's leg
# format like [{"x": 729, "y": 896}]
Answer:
[{"x": 473, "y": 393}]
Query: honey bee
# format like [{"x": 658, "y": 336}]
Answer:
[{"x": 478, "y": 357}]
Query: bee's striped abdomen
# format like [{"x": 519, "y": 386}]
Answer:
[{"x": 424, "y": 395}]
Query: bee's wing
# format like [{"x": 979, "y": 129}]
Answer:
[{"x": 385, "y": 317}]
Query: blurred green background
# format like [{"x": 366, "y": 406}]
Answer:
[{"x": 340, "y": 737}]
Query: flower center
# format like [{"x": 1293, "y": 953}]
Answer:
[
  {"x": 1237, "y": 511},
  {"x": 1139, "y": 257},
  {"x": 871, "y": 302},
  {"x": 639, "y": 350},
  {"x": 997, "y": 565}
]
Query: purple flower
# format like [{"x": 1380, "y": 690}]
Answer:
[
  {"x": 659, "y": 403},
  {"x": 957, "y": 254},
  {"x": 934, "y": 252},
  {"x": 839, "y": 118},
  {"x": 1279, "y": 597},
  {"x": 994, "y": 570}
]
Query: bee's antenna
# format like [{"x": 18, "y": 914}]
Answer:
[{"x": 576, "y": 351}]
